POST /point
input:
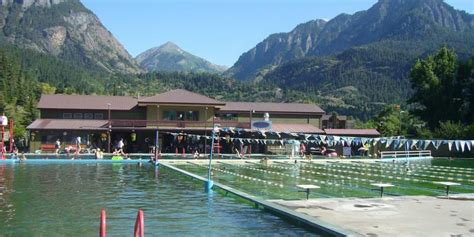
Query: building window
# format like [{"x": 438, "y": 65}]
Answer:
[
  {"x": 67, "y": 115},
  {"x": 98, "y": 116},
  {"x": 88, "y": 116},
  {"x": 169, "y": 115},
  {"x": 180, "y": 115},
  {"x": 192, "y": 115},
  {"x": 77, "y": 115},
  {"x": 229, "y": 117}
]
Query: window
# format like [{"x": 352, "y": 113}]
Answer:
[
  {"x": 67, "y": 115},
  {"x": 169, "y": 115},
  {"x": 192, "y": 115},
  {"x": 77, "y": 115},
  {"x": 88, "y": 116},
  {"x": 180, "y": 115},
  {"x": 229, "y": 117},
  {"x": 98, "y": 116}
]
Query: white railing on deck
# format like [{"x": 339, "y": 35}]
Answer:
[{"x": 405, "y": 154}]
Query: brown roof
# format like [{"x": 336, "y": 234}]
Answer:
[
  {"x": 92, "y": 102},
  {"x": 296, "y": 128},
  {"x": 180, "y": 96},
  {"x": 68, "y": 124},
  {"x": 352, "y": 132},
  {"x": 271, "y": 108}
]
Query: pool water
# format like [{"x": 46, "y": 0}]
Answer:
[
  {"x": 278, "y": 180},
  {"x": 66, "y": 199}
]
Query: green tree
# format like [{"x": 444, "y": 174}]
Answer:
[
  {"x": 388, "y": 121},
  {"x": 437, "y": 88},
  {"x": 450, "y": 130}
]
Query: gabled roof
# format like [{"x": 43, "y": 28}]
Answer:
[
  {"x": 236, "y": 107},
  {"x": 68, "y": 124},
  {"x": 179, "y": 96},
  {"x": 89, "y": 102},
  {"x": 352, "y": 132}
]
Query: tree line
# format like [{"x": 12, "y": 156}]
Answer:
[{"x": 442, "y": 103}]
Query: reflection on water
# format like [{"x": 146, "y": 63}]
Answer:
[{"x": 66, "y": 199}]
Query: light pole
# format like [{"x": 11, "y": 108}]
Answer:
[
  {"x": 250, "y": 117},
  {"x": 157, "y": 136},
  {"x": 205, "y": 129},
  {"x": 401, "y": 112},
  {"x": 110, "y": 127},
  {"x": 208, "y": 184}
]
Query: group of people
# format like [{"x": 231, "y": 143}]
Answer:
[
  {"x": 306, "y": 152},
  {"x": 99, "y": 154}
]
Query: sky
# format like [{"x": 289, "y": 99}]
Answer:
[{"x": 217, "y": 30}]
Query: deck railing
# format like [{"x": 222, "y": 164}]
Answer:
[
  {"x": 405, "y": 154},
  {"x": 117, "y": 123}
]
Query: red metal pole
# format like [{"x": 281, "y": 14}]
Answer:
[
  {"x": 11, "y": 135},
  {"x": 139, "y": 225},
  {"x": 103, "y": 227}
]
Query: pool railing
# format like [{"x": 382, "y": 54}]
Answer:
[{"x": 397, "y": 155}]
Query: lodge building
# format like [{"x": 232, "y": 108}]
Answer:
[{"x": 102, "y": 120}]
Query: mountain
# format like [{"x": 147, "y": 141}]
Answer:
[
  {"x": 357, "y": 61},
  {"x": 277, "y": 49},
  {"x": 169, "y": 57},
  {"x": 395, "y": 20},
  {"x": 65, "y": 29}
]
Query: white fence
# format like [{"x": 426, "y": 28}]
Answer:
[{"x": 405, "y": 154}]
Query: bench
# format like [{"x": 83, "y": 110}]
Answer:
[
  {"x": 307, "y": 188},
  {"x": 52, "y": 147},
  {"x": 381, "y": 186},
  {"x": 447, "y": 184},
  {"x": 47, "y": 148}
]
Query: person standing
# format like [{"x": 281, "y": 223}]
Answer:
[
  {"x": 78, "y": 144},
  {"x": 302, "y": 150},
  {"x": 57, "y": 146}
]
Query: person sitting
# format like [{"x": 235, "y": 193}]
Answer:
[
  {"x": 99, "y": 154},
  {"x": 69, "y": 149},
  {"x": 237, "y": 153},
  {"x": 265, "y": 161},
  {"x": 196, "y": 154},
  {"x": 15, "y": 154},
  {"x": 22, "y": 157},
  {"x": 155, "y": 157},
  {"x": 327, "y": 152}
]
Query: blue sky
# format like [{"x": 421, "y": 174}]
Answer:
[{"x": 217, "y": 30}]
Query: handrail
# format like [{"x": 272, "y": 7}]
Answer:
[
  {"x": 103, "y": 227},
  {"x": 139, "y": 225},
  {"x": 139, "y": 230},
  {"x": 405, "y": 154},
  {"x": 117, "y": 123}
]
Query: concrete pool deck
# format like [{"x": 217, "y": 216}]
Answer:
[{"x": 393, "y": 216}]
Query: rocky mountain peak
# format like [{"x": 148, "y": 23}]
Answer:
[
  {"x": 65, "y": 29},
  {"x": 170, "y": 47},
  {"x": 29, "y": 3},
  {"x": 387, "y": 20},
  {"x": 170, "y": 57}
]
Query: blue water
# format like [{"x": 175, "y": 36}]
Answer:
[{"x": 66, "y": 199}]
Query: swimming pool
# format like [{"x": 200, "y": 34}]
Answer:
[
  {"x": 278, "y": 180},
  {"x": 64, "y": 199}
]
